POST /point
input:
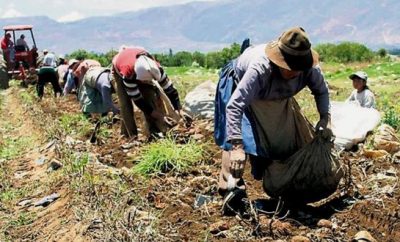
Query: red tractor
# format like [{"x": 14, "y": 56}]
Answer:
[{"x": 18, "y": 57}]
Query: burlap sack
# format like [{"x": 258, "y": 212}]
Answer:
[
  {"x": 156, "y": 97},
  {"x": 303, "y": 168},
  {"x": 309, "y": 175}
]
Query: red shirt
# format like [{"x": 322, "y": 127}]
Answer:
[
  {"x": 4, "y": 43},
  {"x": 124, "y": 61}
]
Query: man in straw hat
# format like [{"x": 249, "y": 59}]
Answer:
[{"x": 256, "y": 115}]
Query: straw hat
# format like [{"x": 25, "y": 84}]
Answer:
[{"x": 292, "y": 51}]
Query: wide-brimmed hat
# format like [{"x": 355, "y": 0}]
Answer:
[
  {"x": 359, "y": 74},
  {"x": 292, "y": 51}
]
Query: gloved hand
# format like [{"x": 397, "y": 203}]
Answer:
[
  {"x": 237, "y": 158},
  {"x": 323, "y": 127}
]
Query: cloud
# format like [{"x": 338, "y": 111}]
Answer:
[
  {"x": 72, "y": 16},
  {"x": 11, "y": 12},
  {"x": 78, "y": 9}
]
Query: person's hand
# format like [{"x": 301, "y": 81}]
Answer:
[
  {"x": 157, "y": 115},
  {"x": 237, "y": 157},
  {"x": 323, "y": 127},
  {"x": 187, "y": 119}
]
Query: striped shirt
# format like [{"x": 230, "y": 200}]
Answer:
[{"x": 124, "y": 65}]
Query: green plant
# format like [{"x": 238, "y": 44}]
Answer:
[
  {"x": 23, "y": 218},
  {"x": 79, "y": 163},
  {"x": 392, "y": 118},
  {"x": 382, "y": 52},
  {"x": 11, "y": 194},
  {"x": 12, "y": 147},
  {"x": 75, "y": 124},
  {"x": 26, "y": 98},
  {"x": 167, "y": 155},
  {"x": 344, "y": 52}
]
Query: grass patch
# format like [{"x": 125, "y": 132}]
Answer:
[
  {"x": 14, "y": 83},
  {"x": 23, "y": 218},
  {"x": 185, "y": 79},
  {"x": 75, "y": 124},
  {"x": 26, "y": 97},
  {"x": 5, "y": 182},
  {"x": 167, "y": 155},
  {"x": 12, "y": 194},
  {"x": 13, "y": 147},
  {"x": 7, "y": 232},
  {"x": 392, "y": 118}
]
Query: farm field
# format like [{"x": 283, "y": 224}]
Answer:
[{"x": 112, "y": 190}]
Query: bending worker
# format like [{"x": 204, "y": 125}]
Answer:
[
  {"x": 95, "y": 92},
  {"x": 262, "y": 120},
  {"x": 134, "y": 71}
]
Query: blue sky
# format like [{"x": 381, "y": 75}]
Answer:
[{"x": 70, "y": 10}]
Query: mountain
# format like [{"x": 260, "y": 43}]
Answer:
[{"x": 208, "y": 26}]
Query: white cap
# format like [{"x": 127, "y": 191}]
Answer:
[
  {"x": 359, "y": 74},
  {"x": 146, "y": 69}
]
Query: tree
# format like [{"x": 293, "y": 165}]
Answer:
[
  {"x": 183, "y": 58},
  {"x": 200, "y": 58},
  {"x": 382, "y": 52},
  {"x": 344, "y": 52}
]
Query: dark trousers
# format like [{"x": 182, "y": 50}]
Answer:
[{"x": 45, "y": 78}]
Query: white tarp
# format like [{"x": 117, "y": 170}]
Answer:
[
  {"x": 351, "y": 123},
  {"x": 201, "y": 101}
]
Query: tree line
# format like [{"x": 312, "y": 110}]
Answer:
[{"x": 344, "y": 52}]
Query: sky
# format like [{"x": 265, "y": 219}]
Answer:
[{"x": 71, "y": 10}]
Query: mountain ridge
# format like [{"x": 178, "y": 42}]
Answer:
[{"x": 206, "y": 26}]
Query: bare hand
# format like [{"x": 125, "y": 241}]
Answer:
[
  {"x": 323, "y": 127},
  {"x": 187, "y": 119},
  {"x": 162, "y": 118},
  {"x": 237, "y": 158}
]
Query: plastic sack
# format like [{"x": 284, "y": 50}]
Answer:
[{"x": 351, "y": 123}]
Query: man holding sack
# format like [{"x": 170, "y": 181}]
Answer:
[{"x": 256, "y": 115}]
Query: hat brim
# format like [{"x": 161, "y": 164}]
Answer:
[
  {"x": 72, "y": 64},
  {"x": 352, "y": 76},
  {"x": 290, "y": 62}
]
